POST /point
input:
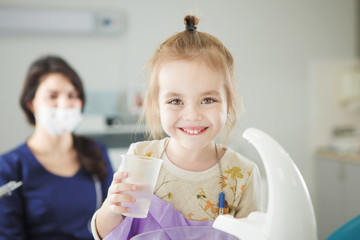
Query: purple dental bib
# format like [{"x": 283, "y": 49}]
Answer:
[{"x": 161, "y": 215}]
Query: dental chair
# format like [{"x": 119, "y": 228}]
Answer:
[{"x": 290, "y": 214}]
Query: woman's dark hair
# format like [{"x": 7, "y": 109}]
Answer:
[
  {"x": 89, "y": 155},
  {"x": 40, "y": 68}
]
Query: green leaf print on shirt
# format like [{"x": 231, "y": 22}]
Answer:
[
  {"x": 234, "y": 173},
  {"x": 231, "y": 180}
]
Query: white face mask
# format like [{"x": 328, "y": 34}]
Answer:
[{"x": 59, "y": 121}]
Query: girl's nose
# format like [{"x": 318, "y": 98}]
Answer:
[{"x": 192, "y": 113}]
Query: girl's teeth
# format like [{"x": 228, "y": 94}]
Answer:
[{"x": 192, "y": 131}]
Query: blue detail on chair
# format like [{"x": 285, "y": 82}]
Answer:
[{"x": 349, "y": 231}]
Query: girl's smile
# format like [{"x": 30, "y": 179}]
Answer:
[{"x": 193, "y": 130}]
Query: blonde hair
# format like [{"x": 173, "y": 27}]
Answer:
[{"x": 190, "y": 45}]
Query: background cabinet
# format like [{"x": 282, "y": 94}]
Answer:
[{"x": 338, "y": 190}]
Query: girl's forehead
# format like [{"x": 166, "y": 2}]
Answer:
[
  {"x": 184, "y": 67},
  {"x": 203, "y": 61},
  {"x": 189, "y": 77}
]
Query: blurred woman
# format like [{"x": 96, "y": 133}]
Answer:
[{"x": 65, "y": 177}]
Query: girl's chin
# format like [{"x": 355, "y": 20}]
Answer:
[{"x": 193, "y": 142}]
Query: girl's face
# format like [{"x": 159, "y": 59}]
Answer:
[
  {"x": 55, "y": 90},
  {"x": 192, "y": 102}
]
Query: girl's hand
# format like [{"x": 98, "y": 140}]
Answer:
[
  {"x": 116, "y": 196},
  {"x": 109, "y": 215}
]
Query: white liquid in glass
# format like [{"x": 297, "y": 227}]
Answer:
[{"x": 143, "y": 196}]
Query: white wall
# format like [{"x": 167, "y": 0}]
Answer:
[
  {"x": 273, "y": 43},
  {"x": 327, "y": 112}
]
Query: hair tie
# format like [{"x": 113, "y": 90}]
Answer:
[{"x": 190, "y": 28}]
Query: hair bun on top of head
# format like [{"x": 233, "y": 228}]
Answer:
[{"x": 191, "y": 22}]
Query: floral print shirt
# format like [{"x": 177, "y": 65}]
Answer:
[{"x": 196, "y": 194}]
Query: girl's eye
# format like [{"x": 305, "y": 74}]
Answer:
[
  {"x": 175, "y": 102},
  {"x": 207, "y": 100}
]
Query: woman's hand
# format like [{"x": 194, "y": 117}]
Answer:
[{"x": 110, "y": 213}]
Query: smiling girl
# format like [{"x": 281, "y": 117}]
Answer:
[{"x": 191, "y": 98}]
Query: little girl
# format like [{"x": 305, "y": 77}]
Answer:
[{"x": 192, "y": 98}]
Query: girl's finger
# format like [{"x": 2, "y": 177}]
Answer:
[
  {"x": 121, "y": 187},
  {"x": 117, "y": 199},
  {"x": 119, "y": 210},
  {"x": 119, "y": 176}
]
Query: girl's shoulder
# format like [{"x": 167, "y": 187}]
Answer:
[
  {"x": 234, "y": 159},
  {"x": 152, "y": 148}
]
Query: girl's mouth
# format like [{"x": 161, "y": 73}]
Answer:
[{"x": 193, "y": 130}]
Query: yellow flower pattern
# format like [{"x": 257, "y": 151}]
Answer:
[
  {"x": 148, "y": 154},
  {"x": 234, "y": 173},
  {"x": 229, "y": 182},
  {"x": 169, "y": 195}
]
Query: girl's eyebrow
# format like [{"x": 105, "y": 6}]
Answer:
[
  {"x": 172, "y": 94},
  {"x": 212, "y": 92}
]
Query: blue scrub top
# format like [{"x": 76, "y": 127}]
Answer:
[{"x": 47, "y": 206}]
